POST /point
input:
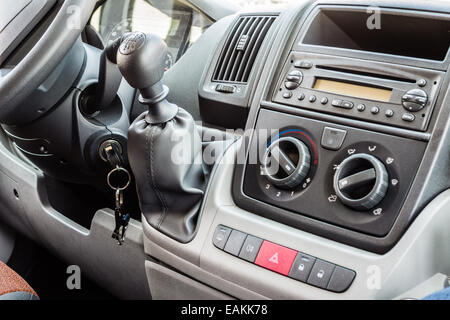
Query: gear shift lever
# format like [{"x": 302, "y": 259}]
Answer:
[
  {"x": 141, "y": 60},
  {"x": 164, "y": 147}
]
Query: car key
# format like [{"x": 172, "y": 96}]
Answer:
[{"x": 121, "y": 219}]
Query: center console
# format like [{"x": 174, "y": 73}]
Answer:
[{"x": 342, "y": 172}]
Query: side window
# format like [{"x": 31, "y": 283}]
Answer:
[{"x": 178, "y": 24}]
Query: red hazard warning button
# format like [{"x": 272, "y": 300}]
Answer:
[{"x": 275, "y": 257}]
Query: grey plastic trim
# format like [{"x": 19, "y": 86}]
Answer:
[
  {"x": 429, "y": 286},
  {"x": 7, "y": 241},
  {"x": 119, "y": 269},
  {"x": 167, "y": 284}
]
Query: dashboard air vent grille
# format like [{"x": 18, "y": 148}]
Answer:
[{"x": 241, "y": 48}]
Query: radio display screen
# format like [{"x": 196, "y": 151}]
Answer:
[{"x": 353, "y": 90}]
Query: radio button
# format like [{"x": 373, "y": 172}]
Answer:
[
  {"x": 312, "y": 98},
  {"x": 422, "y": 83},
  {"x": 296, "y": 73},
  {"x": 295, "y": 76},
  {"x": 389, "y": 113},
  {"x": 408, "y": 117},
  {"x": 347, "y": 105},
  {"x": 361, "y": 107},
  {"x": 336, "y": 103},
  {"x": 342, "y": 104},
  {"x": 291, "y": 85},
  {"x": 287, "y": 94},
  {"x": 375, "y": 110},
  {"x": 415, "y": 100},
  {"x": 303, "y": 64},
  {"x": 301, "y": 96},
  {"x": 324, "y": 100},
  {"x": 420, "y": 100}
]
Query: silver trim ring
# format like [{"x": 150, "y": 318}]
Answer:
[{"x": 118, "y": 169}]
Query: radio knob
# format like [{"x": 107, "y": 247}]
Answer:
[
  {"x": 361, "y": 181},
  {"x": 286, "y": 162},
  {"x": 293, "y": 79},
  {"x": 415, "y": 100}
]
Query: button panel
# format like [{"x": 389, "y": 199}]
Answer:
[{"x": 282, "y": 260}]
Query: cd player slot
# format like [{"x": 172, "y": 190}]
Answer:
[{"x": 365, "y": 74}]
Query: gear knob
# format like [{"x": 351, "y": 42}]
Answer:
[{"x": 141, "y": 59}]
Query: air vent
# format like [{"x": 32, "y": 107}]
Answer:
[{"x": 241, "y": 48}]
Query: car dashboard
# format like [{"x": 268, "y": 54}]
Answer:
[{"x": 352, "y": 98}]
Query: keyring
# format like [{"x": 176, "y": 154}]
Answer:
[{"x": 118, "y": 169}]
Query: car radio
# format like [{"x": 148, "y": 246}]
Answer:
[{"x": 390, "y": 94}]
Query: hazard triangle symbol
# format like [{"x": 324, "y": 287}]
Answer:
[{"x": 274, "y": 258}]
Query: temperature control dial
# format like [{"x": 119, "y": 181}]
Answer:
[
  {"x": 286, "y": 162},
  {"x": 361, "y": 181}
]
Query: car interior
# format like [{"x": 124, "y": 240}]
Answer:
[{"x": 215, "y": 150}]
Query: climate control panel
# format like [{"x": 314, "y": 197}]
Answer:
[{"x": 349, "y": 177}]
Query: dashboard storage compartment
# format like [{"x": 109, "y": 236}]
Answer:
[{"x": 381, "y": 30}]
